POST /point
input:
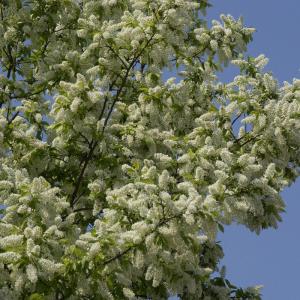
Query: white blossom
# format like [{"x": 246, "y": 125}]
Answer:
[
  {"x": 49, "y": 267},
  {"x": 9, "y": 257},
  {"x": 128, "y": 293},
  {"x": 11, "y": 241},
  {"x": 113, "y": 173},
  {"x": 31, "y": 272}
]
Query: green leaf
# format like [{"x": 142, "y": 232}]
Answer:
[{"x": 36, "y": 296}]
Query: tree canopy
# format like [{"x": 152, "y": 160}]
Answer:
[{"x": 122, "y": 154}]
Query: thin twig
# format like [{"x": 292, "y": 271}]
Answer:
[
  {"x": 251, "y": 139},
  {"x": 14, "y": 116},
  {"x": 120, "y": 254},
  {"x": 78, "y": 181},
  {"x": 95, "y": 143},
  {"x": 117, "y": 55},
  {"x": 236, "y": 119}
]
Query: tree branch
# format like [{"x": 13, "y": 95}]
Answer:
[
  {"x": 94, "y": 143},
  {"x": 122, "y": 253}
]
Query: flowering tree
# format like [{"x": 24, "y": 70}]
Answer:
[{"x": 114, "y": 180}]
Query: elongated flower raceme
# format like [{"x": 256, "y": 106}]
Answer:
[{"x": 115, "y": 175}]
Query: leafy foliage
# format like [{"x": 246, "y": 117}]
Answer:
[{"x": 114, "y": 179}]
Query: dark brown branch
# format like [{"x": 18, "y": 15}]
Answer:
[
  {"x": 236, "y": 119},
  {"x": 95, "y": 143},
  {"x": 234, "y": 137},
  {"x": 80, "y": 177},
  {"x": 119, "y": 255},
  {"x": 82, "y": 209},
  {"x": 42, "y": 90},
  {"x": 251, "y": 139},
  {"x": 117, "y": 55},
  {"x": 14, "y": 116},
  {"x": 85, "y": 139},
  {"x": 124, "y": 81}
]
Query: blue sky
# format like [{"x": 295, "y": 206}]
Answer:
[{"x": 271, "y": 259}]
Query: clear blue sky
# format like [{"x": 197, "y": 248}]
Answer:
[{"x": 273, "y": 258}]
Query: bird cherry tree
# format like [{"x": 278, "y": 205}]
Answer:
[{"x": 122, "y": 154}]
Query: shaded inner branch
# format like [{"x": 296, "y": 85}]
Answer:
[{"x": 94, "y": 143}]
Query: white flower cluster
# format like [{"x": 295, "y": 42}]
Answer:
[{"x": 114, "y": 179}]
